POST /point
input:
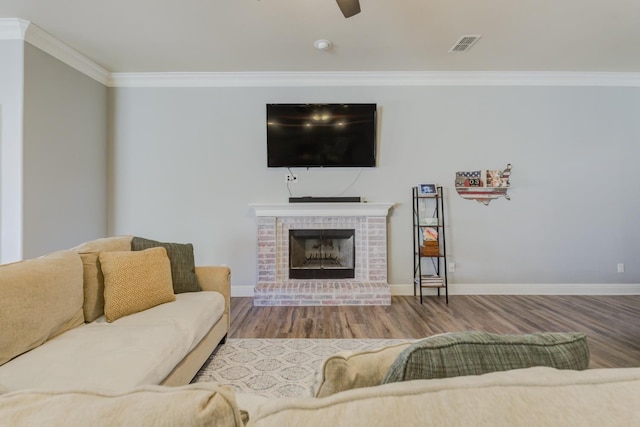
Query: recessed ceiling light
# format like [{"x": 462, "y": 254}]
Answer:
[{"x": 323, "y": 44}]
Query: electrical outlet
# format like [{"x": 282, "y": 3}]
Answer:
[
  {"x": 452, "y": 267},
  {"x": 291, "y": 177},
  {"x": 620, "y": 268}
]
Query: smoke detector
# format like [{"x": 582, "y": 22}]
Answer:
[
  {"x": 464, "y": 44},
  {"x": 323, "y": 44}
]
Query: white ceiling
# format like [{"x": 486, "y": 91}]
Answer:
[{"x": 392, "y": 35}]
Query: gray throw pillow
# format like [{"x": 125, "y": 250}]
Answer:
[
  {"x": 476, "y": 353},
  {"x": 183, "y": 269}
]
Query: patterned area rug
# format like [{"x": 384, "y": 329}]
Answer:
[{"x": 276, "y": 367}]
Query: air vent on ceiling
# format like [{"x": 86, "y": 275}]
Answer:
[{"x": 464, "y": 44}]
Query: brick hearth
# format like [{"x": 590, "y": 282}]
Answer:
[
  {"x": 368, "y": 287},
  {"x": 321, "y": 293}
]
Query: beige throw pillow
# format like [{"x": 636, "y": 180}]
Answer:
[
  {"x": 135, "y": 281},
  {"x": 105, "y": 244},
  {"x": 197, "y": 405},
  {"x": 39, "y": 299},
  {"x": 347, "y": 369},
  {"x": 93, "y": 280},
  {"x": 93, "y": 286}
]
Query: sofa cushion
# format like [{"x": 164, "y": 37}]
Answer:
[
  {"x": 139, "y": 349},
  {"x": 52, "y": 286},
  {"x": 108, "y": 244},
  {"x": 192, "y": 405},
  {"x": 183, "y": 269},
  {"x": 539, "y": 396},
  {"x": 93, "y": 306},
  {"x": 135, "y": 281},
  {"x": 352, "y": 369},
  {"x": 475, "y": 353}
]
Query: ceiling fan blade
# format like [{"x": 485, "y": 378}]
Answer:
[{"x": 349, "y": 7}]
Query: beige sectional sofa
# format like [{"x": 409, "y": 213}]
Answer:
[
  {"x": 539, "y": 396},
  {"x": 46, "y": 344},
  {"x": 475, "y": 379},
  {"x": 527, "y": 397},
  {"x": 350, "y": 388}
]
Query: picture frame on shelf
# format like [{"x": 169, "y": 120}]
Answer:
[{"x": 427, "y": 190}]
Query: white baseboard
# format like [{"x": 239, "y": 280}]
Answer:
[
  {"x": 503, "y": 289},
  {"x": 241, "y": 291},
  {"x": 529, "y": 289}
]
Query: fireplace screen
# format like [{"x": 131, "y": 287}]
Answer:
[{"x": 322, "y": 254}]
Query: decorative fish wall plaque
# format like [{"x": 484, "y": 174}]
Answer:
[{"x": 484, "y": 185}]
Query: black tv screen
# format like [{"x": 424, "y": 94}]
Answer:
[{"x": 321, "y": 135}]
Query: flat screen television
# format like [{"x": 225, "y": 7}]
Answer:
[{"x": 321, "y": 135}]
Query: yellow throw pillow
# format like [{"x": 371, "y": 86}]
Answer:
[{"x": 135, "y": 281}]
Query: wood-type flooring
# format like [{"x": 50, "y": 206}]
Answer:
[{"x": 611, "y": 323}]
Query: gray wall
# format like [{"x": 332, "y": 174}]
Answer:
[
  {"x": 65, "y": 155},
  {"x": 186, "y": 162},
  {"x": 11, "y": 84}
]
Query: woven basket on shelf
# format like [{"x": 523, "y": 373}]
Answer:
[{"x": 430, "y": 248}]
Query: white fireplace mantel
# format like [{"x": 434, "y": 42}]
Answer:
[{"x": 321, "y": 209}]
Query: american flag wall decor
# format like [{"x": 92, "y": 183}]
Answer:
[{"x": 483, "y": 185}]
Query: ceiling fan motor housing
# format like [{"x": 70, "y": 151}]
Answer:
[{"x": 349, "y": 7}]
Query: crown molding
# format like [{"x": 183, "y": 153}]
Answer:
[
  {"x": 365, "y": 78},
  {"x": 13, "y": 28},
  {"x": 65, "y": 53},
  {"x": 19, "y": 29}
]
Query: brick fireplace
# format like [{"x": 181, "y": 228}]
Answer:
[{"x": 365, "y": 284}]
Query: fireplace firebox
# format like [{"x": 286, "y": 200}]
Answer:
[{"x": 322, "y": 254}]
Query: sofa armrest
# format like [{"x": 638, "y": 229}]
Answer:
[{"x": 216, "y": 278}]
